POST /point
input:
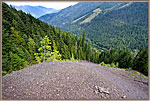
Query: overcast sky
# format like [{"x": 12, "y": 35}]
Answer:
[{"x": 48, "y": 4}]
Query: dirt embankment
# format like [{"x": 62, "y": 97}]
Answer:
[{"x": 71, "y": 80}]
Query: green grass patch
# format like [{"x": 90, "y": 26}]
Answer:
[
  {"x": 113, "y": 65},
  {"x": 138, "y": 76}
]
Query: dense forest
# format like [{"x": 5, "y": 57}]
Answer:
[
  {"x": 107, "y": 24},
  {"x": 27, "y": 41}
]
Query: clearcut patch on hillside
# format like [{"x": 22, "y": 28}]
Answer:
[{"x": 92, "y": 16}]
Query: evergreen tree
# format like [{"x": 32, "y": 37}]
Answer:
[
  {"x": 21, "y": 46},
  {"x": 141, "y": 61},
  {"x": 83, "y": 39},
  {"x": 16, "y": 38},
  {"x": 88, "y": 51},
  {"x": 31, "y": 47},
  {"x": 125, "y": 59},
  {"x": 55, "y": 55},
  {"x": 45, "y": 50}
]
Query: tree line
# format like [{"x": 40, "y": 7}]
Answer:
[{"x": 27, "y": 41}]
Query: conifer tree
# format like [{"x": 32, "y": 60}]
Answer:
[
  {"x": 83, "y": 39},
  {"x": 16, "y": 38},
  {"x": 140, "y": 62},
  {"x": 76, "y": 49},
  {"x": 31, "y": 46},
  {"x": 45, "y": 50},
  {"x": 88, "y": 51},
  {"x": 55, "y": 55}
]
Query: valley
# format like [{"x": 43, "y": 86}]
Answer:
[{"x": 112, "y": 25}]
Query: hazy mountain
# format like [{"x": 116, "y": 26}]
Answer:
[
  {"x": 107, "y": 24},
  {"x": 36, "y": 11}
]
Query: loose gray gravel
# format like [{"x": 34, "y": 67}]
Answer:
[{"x": 71, "y": 80}]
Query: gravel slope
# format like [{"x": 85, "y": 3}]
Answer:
[{"x": 71, "y": 80}]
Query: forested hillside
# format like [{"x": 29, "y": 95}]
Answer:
[
  {"x": 107, "y": 24},
  {"x": 71, "y": 13},
  {"x": 27, "y": 41}
]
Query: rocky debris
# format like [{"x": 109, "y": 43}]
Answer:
[
  {"x": 102, "y": 90},
  {"x": 123, "y": 97},
  {"x": 68, "y": 80}
]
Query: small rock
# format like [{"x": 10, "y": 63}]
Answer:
[
  {"x": 123, "y": 96},
  {"x": 57, "y": 94},
  {"x": 102, "y": 96},
  {"x": 96, "y": 87},
  {"x": 96, "y": 92},
  {"x": 47, "y": 73},
  {"x": 103, "y": 90}
]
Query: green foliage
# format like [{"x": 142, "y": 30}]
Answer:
[
  {"x": 128, "y": 69},
  {"x": 123, "y": 57},
  {"x": 16, "y": 62},
  {"x": 4, "y": 73},
  {"x": 114, "y": 27},
  {"x": 89, "y": 51},
  {"x": 83, "y": 38},
  {"x": 138, "y": 76},
  {"x": 109, "y": 65},
  {"x": 16, "y": 38},
  {"x": 72, "y": 58},
  {"x": 126, "y": 59},
  {"x": 31, "y": 46},
  {"x": 44, "y": 50},
  {"x": 140, "y": 62},
  {"x": 55, "y": 56},
  {"x": 27, "y": 41}
]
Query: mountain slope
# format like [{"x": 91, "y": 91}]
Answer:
[
  {"x": 36, "y": 11},
  {"x": 107, "y": 24},
  {"x": 22, "y": 38},
  {"x": 70, "y": 13}
]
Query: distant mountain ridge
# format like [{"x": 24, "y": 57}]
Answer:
[
  {"x": 107, "y": 24},
  {"x": 36, "y": 11}
]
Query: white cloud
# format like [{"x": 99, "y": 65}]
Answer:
[{"x": 48, "y": 4}]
